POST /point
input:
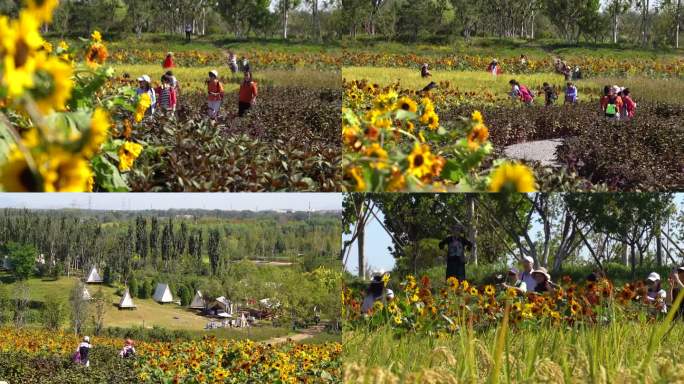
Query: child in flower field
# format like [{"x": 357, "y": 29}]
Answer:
[
  {"x": 424, "y": 71},
  {"x": 128, "y": 350},
  {"x": 376, "y": 291},
  {"x": 248, "y": 94},
  {"x": 215, "y": 94},
  {"x": 628, "y": 104},
  {"x": 549, "y": 94},
  {"x": 166, "y": 95},
  {"x": 611, "y": 103},
  {"x": 144, "y": 86},
  {"x": 168, "y": 61},
  {"x": 494, "y": 67},
  {"x": 82, "y": 352},
  {"x": 570, "y": 93},
  {"x": 522, "y": 92},
  {"x": 232, "y": 62}
]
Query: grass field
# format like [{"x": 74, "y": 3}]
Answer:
[
  {"x": 643, "y": 89},
  {"x": 613, "y": 353},
  {"x": 193, "y": 79},
  {"x": 148, "y": 313}
]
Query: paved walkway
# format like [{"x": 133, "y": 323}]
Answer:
[{"x": 543, "y": 151}]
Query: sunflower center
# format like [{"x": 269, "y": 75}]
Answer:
[
  {"x": 418, "y": 161},
  {"x": 27, "y": 180},
  {"x": 22, "y": 54}
]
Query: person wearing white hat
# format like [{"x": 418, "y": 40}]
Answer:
[
  {"x": 82, "y": 351},
  {"x": 513, "y": 281},
  {"x": 376, "y": 291},
  {"x": 527, "y": 263},
  {"x": 676, "y": 286},
  {"x": 215, "y": 94},
  {"x": 655, "y": 293},
  {"x": 145, "y": 86}
]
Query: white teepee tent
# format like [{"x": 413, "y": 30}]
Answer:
[
  {"x": 85, "y": 295},
  {"x": 126, "y": 301},
  {"x": 93, "y": 276},
  {"x": 197, "y": 301},
  {"x": 162, "y": 294}
]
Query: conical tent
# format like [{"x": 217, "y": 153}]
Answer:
[
  {"x": 85, "y": 295},
  {"x": 197, "y": 301},
  {"x": 93, "y": 276},
  {"x": 221, "y": 303},
  {"x": 126, "y": 301},
  {"x": 6, "y": 263},
  {"x": 162, "y": 294}
]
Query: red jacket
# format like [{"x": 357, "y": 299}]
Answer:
[
  {"x": 168, "y": 62},
  {"x": 630, "y": 105}
]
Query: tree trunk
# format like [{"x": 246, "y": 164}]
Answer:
[
  {"x": 632, "y": 252},
  {"x": 659, "y": 251},
  {"x": 625, "y": 254},
  {"x": 615, "y": 27},
  {"x": 472, "y": 227},
  {"x": 362, "y": 257},
  {"x": 285, "y": 18},
  {"x": 678, "y": 24},
  {"x": 316, "y": 20}
]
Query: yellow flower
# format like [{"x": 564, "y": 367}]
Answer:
[
  {"x": 63, "y": 45},
  {"x": 431, "y": 119},
  {"x": 56, "y": 171},
  {"x": 144, "y": 102},
  {"x": 16, "y": 176},
  {"x": 397, "y": 180},
  {"x": 512, "y": 177},
  {"x": 128, "y": 152},
  {"x": 19, "y": 40},
  {"x": 47, "y": 47},
  {"x": 378, "y": 306},
  {"x": 397, "y": 319},
  {"x": 96, "y": 36},
  {"x": 473, "y": 291},
  {"x": 489, "y": 289},
  {"x": 42, "y": 9},
  {"x": 355, "y": 172},
  {"x": 99, "y": 128},
  {"x": 512, "y": 292},
  {"x": 96, "y": 55},
  {"x": 452, "y": 282},
  {"x": 406, "y": 104},
  {"x": 377, "y": 152},
  {"x": 477, "y": 116},
  {"x": 465, "y": 285},
  {"x": 427, "y": 104},
  {"x": 477, "y": 136},
  {"x": 420, "y": 161},
  {"x": 53, "y": 83}
]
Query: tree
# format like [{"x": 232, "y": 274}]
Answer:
[
  {"x": 21, "y": 296},
  {"x": 79, "y": 308},
  {"x": 22, "y": 259},
  {"x": 100, "y": 303},
  {"x": 615, "y": 9},
  {"x": 284, "y": 7},
  {"x": 54, "y": 311},
  {"x": 213, "y": 250}
]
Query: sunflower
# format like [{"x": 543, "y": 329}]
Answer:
[
  {"x": 356, "y": 174},
  {"x": 128, "y": 152},
  {"x": 96, "y": 55},
  {"x": 378, "y": 154},
  {"x": 517, "y": 306},
  {"x": 473, "y": 291},
  {"x": 194, "y": 364},
  {"x": 66, "y": 172},
  {"x": 41, "y": 9},
  {"x": 144, "y": 102},
  {"x": 452, "y": 282},
  {"x": 512, "y": 177},
  {"x": 47, "y": 47},
  {"x": 15, "y": 174},
  {"x": 575, "y": 307},
  {"x": 220, "y": 373},
  {"x": 420, "y": 161},
  {"x": 63, "y": 45},
  {"x": 397, "y": 319},
  {"x": 477, "y": 117},
  {"x": 53, "y": 83},
  {"x": 477, "y": 136},
  {"x": 430, "y": 119},
  {"x": 512, "y": 293},
  {"x": 489, "y": 290},
  {"x": 97, "y": 135},
  {"x": 397, "y": 181},
  {"x": 96, "y": 36},
  {"x": 19, "y": 39},
  {"x": 407, "y": 104}
]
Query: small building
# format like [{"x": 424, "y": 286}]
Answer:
[
  {"x": 126, "y": 301},
  {"x": 94, "y": 277},
  {"x": 162, "y": 294},
  {"x": 198, "y": 301}
]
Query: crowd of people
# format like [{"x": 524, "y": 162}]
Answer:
[
  {"x": 82, "y": 354},
  {"x": 165, "y": 97}
]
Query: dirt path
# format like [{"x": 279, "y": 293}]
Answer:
[{"x": 302, "y": 335}]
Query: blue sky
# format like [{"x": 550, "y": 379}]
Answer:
[{"x": 138, "y": 201}]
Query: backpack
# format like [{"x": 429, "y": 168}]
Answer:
[{"x": 611, "y": 108}]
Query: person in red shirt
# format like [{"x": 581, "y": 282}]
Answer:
[
  {"x": 629, "y": 106},
  {"x": 611, "y": 103},
  {"x": 248, "y": 94},
  {"x": 168, "y": 62},
  {"x": 215, "y": 94}
]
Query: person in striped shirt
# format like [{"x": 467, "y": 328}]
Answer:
[{"x": 166, "y": 95}]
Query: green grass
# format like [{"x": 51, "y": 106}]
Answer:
[
  {"x": 643, "y": 89},
  {"x": 615, "y": 352},
  {"x": 193, "y": 79}
]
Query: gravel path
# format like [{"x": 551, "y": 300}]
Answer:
[{"x": 543, "y": 151}]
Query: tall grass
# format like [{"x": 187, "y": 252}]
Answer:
[
  {"x": 643, "y": 89},
  {"x": 613, "y": 352}
]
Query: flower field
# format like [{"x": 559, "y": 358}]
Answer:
[
  {"x": 69, "y": 123},
  {"x": 205, "y": 361},
  {"x": 584, "y": 332},
  {"x": 394, "y": 141}
]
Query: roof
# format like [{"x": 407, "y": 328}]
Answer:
[
  {"x": 162, "y": 294},
  {"x": 126, "y": 300}
]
